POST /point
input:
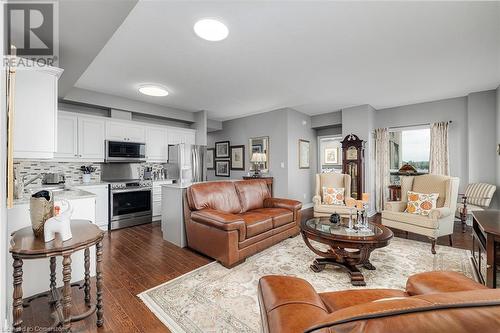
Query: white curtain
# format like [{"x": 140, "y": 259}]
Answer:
[
  {"x": 382, "y": 176},
  {"x": 439, "y": 159}
]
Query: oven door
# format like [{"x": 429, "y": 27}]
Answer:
[
  {"x": 130, "y": 203},
  {"x": 118, "y": 151}
]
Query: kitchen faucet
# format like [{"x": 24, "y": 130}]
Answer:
[{"x": 25, "y": 183}]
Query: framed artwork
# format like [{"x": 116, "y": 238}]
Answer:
[
  {"x": 332, "y": 155},
  {"x": 222, "y": 149},
  {"x": 238, "y": 157},
  {"x": 222, "y": 168},
  {"x": 304, "y": 154},
  {"x": 210, "y": 158}
]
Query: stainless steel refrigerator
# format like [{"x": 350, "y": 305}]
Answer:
[{"x": 186, "y": 163}]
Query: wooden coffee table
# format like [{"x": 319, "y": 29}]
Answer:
[{"x": 347, "y": 250}]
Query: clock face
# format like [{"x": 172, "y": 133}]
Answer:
[{"x": 351, "y": 153}]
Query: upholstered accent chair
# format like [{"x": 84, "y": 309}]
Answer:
[
  {"x": 477, "y": 196},
  {"x": 440, "y": 220},
  {"x": 334, "y": 180}
]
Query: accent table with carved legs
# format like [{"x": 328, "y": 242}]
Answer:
[
  {"x": 24, "y": 245},
  {"x": 346, "y": 249}
]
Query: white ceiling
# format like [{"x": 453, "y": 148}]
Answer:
[{"x": 315, "y": 57}]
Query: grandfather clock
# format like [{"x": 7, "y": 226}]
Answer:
[{"x": 353, "y": 152}]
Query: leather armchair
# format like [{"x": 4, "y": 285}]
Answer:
[
  {"x": 335, "y": 180},
  {"x": 440, "y": 220},
  {"x": 433, "y": 302}
]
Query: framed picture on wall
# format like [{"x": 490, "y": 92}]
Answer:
[
  {"x": 210, "y": 158},
  {"x": 332, "y": 155},
  {"x": 222, "y": 168},
  {"x": 304, "y": 154},
  {"x": 238, "y": 157},
  {"x": 222, "y": 149}
]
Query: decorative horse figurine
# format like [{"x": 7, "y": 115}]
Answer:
[{"x": 59, "y": 224}]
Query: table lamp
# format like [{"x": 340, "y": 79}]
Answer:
[{"x": 257, "y": 159}]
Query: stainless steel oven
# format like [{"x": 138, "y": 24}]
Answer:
[
  {"x": 130, "y": 204},
  {"x": 119, "y": 151}
]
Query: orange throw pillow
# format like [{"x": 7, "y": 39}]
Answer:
[
  {"x": 333, "y": 196},
  {"x": 421, "y": 203}
]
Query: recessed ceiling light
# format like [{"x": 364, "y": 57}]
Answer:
[
  {"x": 211, "y": 29},
  {"x": 153, "y": 90}
]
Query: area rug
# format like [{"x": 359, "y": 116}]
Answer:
[{"x": 216, "y": 299}]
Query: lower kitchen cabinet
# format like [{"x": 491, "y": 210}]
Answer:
[
  {"x": 101, "y": 203},
  {"x": 157, "y": 198}
]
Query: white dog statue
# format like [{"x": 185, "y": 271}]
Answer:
[{"x": 60, "y": 224}]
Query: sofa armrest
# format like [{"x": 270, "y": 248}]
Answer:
[
  {"x": 440, "y": 282},
  {"x": 395, "y": 206},
  {"x": 316, "y": 200},
  {"x": 292, "y": 205},
  {"x": 220, "y": 220},
  {"x": 439, "y": 213}
]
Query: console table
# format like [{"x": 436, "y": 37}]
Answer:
[
  {"x": 24, "y": 245},
  {"x": 269, "y": 182},
  {"x": 485, "y": 240}
]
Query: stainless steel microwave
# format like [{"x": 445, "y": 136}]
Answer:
[{"x": 119, "y": 151}]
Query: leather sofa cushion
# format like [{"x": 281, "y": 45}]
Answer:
[
  {"x": 280, "y": 216},
  {"x": 252, "y": 193},
  {"x": 337, "y": 300},
  {"x": 214, "y": 195},
  {"x": 440, "y": 282},
  {"x": 256, "y": 223},
  {"x": 413, "y": 219}
]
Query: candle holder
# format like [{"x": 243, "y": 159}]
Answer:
[{"x": 350, "y": 226}]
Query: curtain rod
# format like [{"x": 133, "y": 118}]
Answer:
[{"x": 416, "y": 125}]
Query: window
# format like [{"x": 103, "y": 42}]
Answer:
[{"x": 409, "y": 146}]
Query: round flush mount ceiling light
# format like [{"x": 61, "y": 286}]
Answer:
[
  {"x": 153, "y": 90},
  {"x": 211, "y": 29}
]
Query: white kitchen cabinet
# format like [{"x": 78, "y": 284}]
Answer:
[
  {"x": 101, "y": 203},
  {"x": 175, "y": 137},
  {"x": 67, "y": 136},
  {"x": 91, "y": 134},
  {"x": 156, "y": 144},
  {"x": 157, "y": 202},
  {"x": 124, "y": 131},
  {"x": 35, "y": 112},
  {"x": 80, "y": 138}
]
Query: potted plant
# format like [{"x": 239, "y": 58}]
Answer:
[{"x": 87, "y": 171}]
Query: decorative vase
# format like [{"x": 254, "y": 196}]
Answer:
[
  {"x": 335, "y": 218},
  {"x": 41, "y": 210},
  {"x": 86, "y": 178}
]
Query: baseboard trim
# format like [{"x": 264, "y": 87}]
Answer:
[{"x": 307, "y": 205}]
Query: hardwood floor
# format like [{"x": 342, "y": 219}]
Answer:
[{"x": 136, "y": 259}]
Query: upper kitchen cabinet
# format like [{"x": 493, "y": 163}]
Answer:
[
  {"x": 91, "y": 139},
  {"x": 181, "y": 135},
  {"x": 124, "y": 131},
  {"x": 156, "y": 144},
  {"x": 35, "y": 112},
  {"x": 80, "y": 138}
]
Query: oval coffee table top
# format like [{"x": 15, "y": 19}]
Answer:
[{"x": 322, "y": 227}]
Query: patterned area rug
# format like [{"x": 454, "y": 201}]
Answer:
[{"x": 215, "y": 299}]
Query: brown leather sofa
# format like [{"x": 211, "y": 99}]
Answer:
[
  {"x": 231, "y": 220},
  {"x": 432, "y": 302}
]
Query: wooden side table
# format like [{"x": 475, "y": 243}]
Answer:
[
  {"x": 269, "y": 182},
  {"x": 485, "y": 241},
  {"x": 24, "y": 245}
]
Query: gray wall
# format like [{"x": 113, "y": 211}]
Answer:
[
  {"x": 498, "y": 143},
  {"x": 327, "y": 119},
  {"x": 481, "y": 124},
  {"x": 238, "y": 131},
  {"x": 454, "y": 109},
  {"x": 284, "y": 128},
  {"x": 301, "y": 182},
  {"x": 332, "y": 130}
]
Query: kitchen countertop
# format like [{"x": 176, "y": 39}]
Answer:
[
  {"x": 90, "y": 184},
  {"x": 63, "y": 194}
]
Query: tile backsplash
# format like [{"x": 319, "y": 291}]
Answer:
[{"x": 71, "y": 170}]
